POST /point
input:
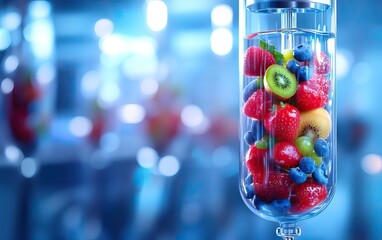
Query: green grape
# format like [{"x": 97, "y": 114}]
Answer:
[
  {"x": 304, "y": 145},
  {"x": 316, "y": 158}
]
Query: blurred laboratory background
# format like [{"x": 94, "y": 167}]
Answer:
[{"x": 119, "y": 120}]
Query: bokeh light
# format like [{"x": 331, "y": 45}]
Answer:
[
  {"x": 28, "y": 167},
  {"x": 156, "y": 15},
  {"x": 110, "y": 142},
  {"x": 7, "y": 85},
  {"x": 39, "y": 9},
  {"x": 109, "y": 93},
  {"x": 147, "y": 157},
  {"x": 13, "y": 154},
  {"x": 11, "y": 63},
  {"x": 168, "y": 166},
  {"x": 45, "y": 74},
  {"x": 11, "y": 20},
  {"x": 192, "y": 116},
  {"x": 371, "y": 164},
  {"x": 103, "y": 27},
  {"x": 5, "y": 39},
  {"x": 344, "y": 60},
  {"x": 221, "y": 41},
  {"x": 149, "y": 86},
  {"x": 80, "y": 126},
  {"x": 132, "y": 113},
  {"x": 221, "y": 15},
  {"x": 90, "y": 83}
]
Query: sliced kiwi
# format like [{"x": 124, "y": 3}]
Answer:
[
  {"x": 315, "y": 124},
  {"x": 280, "y": 82}
]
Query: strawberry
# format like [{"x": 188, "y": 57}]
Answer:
[
  {"x": 256, "y": 61},
  {"x": 310, "y": 96},
  {"x": 277, "y": 185},
  {"x": 286, "y": 155},
  {"x": 322, "y": 63},
  {"x": 283, "y": 122},
  {"x": 258, "y": 104},
  {"x": 256, "y": 160},
  {"x": 307, "y": 195},
  {"x": 323, "y": 82}
]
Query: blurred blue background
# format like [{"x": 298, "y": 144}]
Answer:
[{"x": 119, "y": 120}]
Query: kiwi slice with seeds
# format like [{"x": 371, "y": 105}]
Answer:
[
  {"x": 315, "y": 124},
  {"x": 280, "y": 82}
]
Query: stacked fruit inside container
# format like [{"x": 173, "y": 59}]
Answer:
[{"x": 288, "y": 137}]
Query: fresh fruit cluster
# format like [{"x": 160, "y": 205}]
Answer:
[{"x": 287, "y": 139}]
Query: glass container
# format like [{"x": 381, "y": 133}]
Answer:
[{"x": 287, "y": 109}]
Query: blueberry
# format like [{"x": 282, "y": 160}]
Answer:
[
  {"x": 321, "y": 147},
  {"x": 297, "y": 175},
  {"x": 250, "y": 89},
  {"x": 303, "y": 52},
  {"x": 280, "y": 206},
  {"x": 258, "y": 130},
  {"x": 292, "y": 65},
  {"x": 304, "y": 73},
  {"x": 249, "y": 191},
  {"x": 249, "y": 179},
  {"x": 319, "y": 176},
  {"x": 248, "y": 138},
  {"x": 307, "y": 165}
]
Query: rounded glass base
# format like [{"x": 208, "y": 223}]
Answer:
[{"x": 288, "y": 231}]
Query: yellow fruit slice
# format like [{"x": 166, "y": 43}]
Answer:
[{"x": 315, "y": 124}]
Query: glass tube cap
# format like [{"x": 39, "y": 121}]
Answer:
[{"x": 279, "y": 5}]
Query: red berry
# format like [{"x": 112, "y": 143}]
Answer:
[
  {"x": 276, "y": 185},
  {"x": 256, "y": 160},
  {"x": 286, "y": 155},
  {"x": 307, "y": 195},
  {"x": 283, "y": 122},
  {"x": 258, "y": 104},
  {"x": 323, "y": 82},
  {"x": 256, "y": 61},
  {"x": 310, "y": 96},
  {"x": 322, "y": 63}
]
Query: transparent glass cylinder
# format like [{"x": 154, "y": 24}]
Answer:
[{"x": 287, "y": 109}]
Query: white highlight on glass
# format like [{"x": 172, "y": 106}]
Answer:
[
  {"x": 192, "y": 116},
  {"x": 132, "y": 113},
  {"x": 5, "y": 39},
  {"x": 45, "y": 74},
  {"x": 11, "y": 20},
  {"x": 39, "y": 9},
  {"x": 221, "y": 41},
  {"x": 110, "y": 142},
  {"x": 168, "y": 166},
  {"x": 156, "y": 15},
  {"x": 147, "y": 157},
  {"x": 80, "y": 126},
  {"x": 221, "y": 15},
  {"x": 28, "y": 167},
  {"x": 90, "y": 83},
  {"x": 103, "y": 27},
  {"x": 361, "y": 73},
  {"x": 7, "y": 85},
  {"x": 13, "y": 153},
  {"x": 11, "y": 63},
  {"x": 149, "y": 86},
  {"x": 372, "y": 164}
]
